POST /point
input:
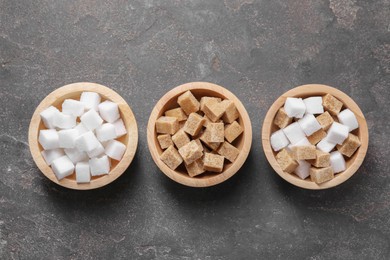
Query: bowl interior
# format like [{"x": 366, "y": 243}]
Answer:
[{"x": 198, "y": 93}]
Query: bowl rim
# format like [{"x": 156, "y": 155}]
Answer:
[
  {"x": 199, "y": 182},
  {"x": 314, "y": 89},
  {"x": 132, "y": 131}
]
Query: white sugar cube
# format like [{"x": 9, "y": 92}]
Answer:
[
  {"x": 303, "y": 142},
  {"x": 115, "y": 150},
  {"x": 325, "y": 146},
  {"x": 62, "y": 167},
  {"x": 48, "y": 115},
  {"x": 81, "y": 129},
  {"x": 72, "y": 107},
  {"x": 120, "y": 128},
  {"x": 105, "y": 132},
  {"x": 309, "y": 124},
  {"x": 99, "y": 150},
  {"x": 67, "y": 138},
  {"x": 337, "y": 133},
  {"x": 278, "y": 140},
  {"x": 51, "y": 155},
  {"x": 48, "y": 138},
  {"x": 294, "y": 132},
  {"x": 82, "y": 172},
  {"x": 337, "y": 162},
  {"x": 91, "y": 120},
  {"x": 303, "y": 169},
  {"x": 348, "y": 118},
  {"x": 90, "y": 100},
  {"x": 99, "y": 165},
  {"x": 109, "y": 111},
  {"x": 294, "y": 107},
  {"x": 314, "y": 105},
  {"x": 75, "y": 155},
  {"x": 87, "y": 142},
  {"x": 63, "y": 121}
]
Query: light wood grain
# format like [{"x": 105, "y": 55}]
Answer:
[
  {"x": 243, "y": 142},
  {"x": 304, "y": 91},
  {"x": 74, "y": 91}
]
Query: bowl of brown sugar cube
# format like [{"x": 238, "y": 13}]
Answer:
[
  {"x": 199, "y": 134},
  {"x": 315, "y": 136},
  {"x": 83, "y": 136}
]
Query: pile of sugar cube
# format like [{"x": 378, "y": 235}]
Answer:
[
  {"x": 200, "y": 133},
  {"x": 314, "y": 146},
  {"x": 81, "y": 137}
]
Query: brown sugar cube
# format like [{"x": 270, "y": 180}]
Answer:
[
  {"x": 171, "y": 157},
  {"x": 193, "y": 124},
  {"x": 213, "y": 162},
  {"x": 180, "y": 139},
  {"x": 281, "y": 119},
  {"x": 321, "y": 175},
  {"x": 306, "y": 152},
  {"x": 228, "y": 151},
  {"x": 322, "y": 159},
  {"x": 209, "y": 101},
  {"x": 188, "y": 103},
  {"x": 215, "y": 111},
  {"x": 205, "y": 136},
  {"x": 286, "y": 162},
  {"x": 181, "y": 124},
  {"x": 332, "y": 104},
  {"x": 231, "y": 112},
  {"x": 167, "y": 125},
  {"x": 195, "y": 168},
  {"x": 325, "y": 120},
  {"x": 350, "y": 145},
  {"x": 199, "y": 143},
  {"x": 217, "y": 132},
  {"x": 165, "y": 141},
  {"x": 191, "y": 152},
  {"x": 207, "y": 121},
  {"x": 232, "y": 131},
  {"x": 316, "y": 137},
  {"x": 178, "y": 113}
]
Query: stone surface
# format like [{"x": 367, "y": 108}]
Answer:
[{"x": 141, "y": 49}]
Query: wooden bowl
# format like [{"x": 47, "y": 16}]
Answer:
[
  {"x": 243, "y": 142},
  {"x": 73, "y": 91},
  {"x": 304, "y": 91}
]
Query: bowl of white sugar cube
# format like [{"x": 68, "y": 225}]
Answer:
[
  {"x": 315, "y": 136},
  {"x": 83, "y": 136}
]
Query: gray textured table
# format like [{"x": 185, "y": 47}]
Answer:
[{"x": 258, "y": 50}]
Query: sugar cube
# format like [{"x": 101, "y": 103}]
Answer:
[
  {"x": 294, "y": 132},
  {"x": 62, "y": 167},
  {"x": 171, "y": 157},
  {"x": 178, "y": 113},
  {"x": 232, "y": 131},
  {"x": 49, "y": 139},
  {"x": 87, "y": 142},
  {"x": 231, "y": 112},
  {"x": 48, "y": 115},
  {"x": 286, "y": 162},
  {"x": 51, "y": 155},
  {"x": 99, "y": 165},
  {"x": 109, "y": 111},
  {"x": 98, "y": 151},
  {"x": 64, "y": 121},
  {"x": 278, "y": 140},
  {"x": 115, "y": 150},
  {"x": 120, "y": 128},
  {"x": 314, "y": 105},
  {"x": 332, "y": 104},
  {"x": 325, "y": 146},
  {"x": 180, "y": 139},
  {"x": 205, "y": 136},
  {"x": 303, "y": 169},
  {"x": 191, "y": 152},
  {"x": 281, "y": 119},
  {"x": 75, "y": 155},
  {"x": 325, "y": 120},
  {"x": 91, "y": 119},
  {"x": 188, "y": 102},
  {"x": 67, "y": 138},
  {"x": 165, "y": 141},
  {"x": 316, "y": 136},
  {"x": 350, "y": 145},
  {"x": 337, "y": 162},
  {"x": 81, "y": 129},
  {"x": 214, "y": 111},
  {"x": 306, "y": 152},
  {"x": 321, "y": 175},
  {"x": 228, "y": 151},
  {"x": 105, "y": 132},
  {"x": 73, "y": 107},
  {"x": 167, "y": 125},
  {"x": 195, "y": 168},
  {"x": 217, "y": 132},
  {"x": 337, "y": 133},
  {"x": 83, "y": 174},
  {"x": 322, "y": 159},
  {"x": 348, "y": 118},
  {"x": 90, "y": 100},
  {"x": 295, "y": 107},
  {"x": 209, "y": 101},
  {"x": 309, "y": 124},
  {"x": 304, "y": 141},
  {"x": 213, "y": 162},
  {"x": 194, "y": 124}
]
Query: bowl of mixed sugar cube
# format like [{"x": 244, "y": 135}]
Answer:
[
  {"x": 315, "y": 136},
  {"x": 83, "y": 136},
  {"x": 199, "y": 134}
]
